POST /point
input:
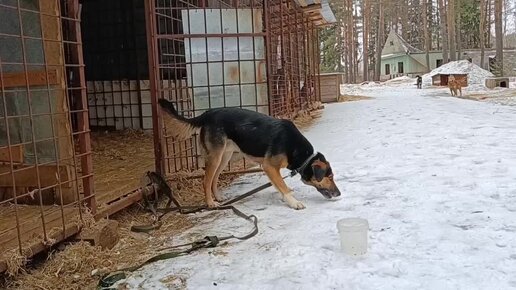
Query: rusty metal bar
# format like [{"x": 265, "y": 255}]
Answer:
[
  {"x": 150, "y": 21},
  {"x": 77, "y": 57},
  {"x": 27, "y": 88},
  {"x": 11, "y": 163}
]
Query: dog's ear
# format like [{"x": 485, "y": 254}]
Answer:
[{"x": 319, "y": 169}]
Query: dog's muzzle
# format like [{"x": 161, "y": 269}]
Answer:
[{"x": 329, "y": 193}]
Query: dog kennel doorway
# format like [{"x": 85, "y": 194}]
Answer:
[{"x": 120, "y": 110}]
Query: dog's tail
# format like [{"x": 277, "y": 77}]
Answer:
[{"x": 183, "y": 128}]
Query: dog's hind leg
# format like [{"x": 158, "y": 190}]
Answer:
[
  {"x": 226, "y": 156},
  {"x": 213, "y": 160},
  {"x": 274, "y": 175}
]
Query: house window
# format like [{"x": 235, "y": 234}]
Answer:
[
  {"x": 387, "y": 69},
  {"x": 400, "y": 67},
  {"x": 392, "y": 43},
  {"x": 438, "y": 62}
]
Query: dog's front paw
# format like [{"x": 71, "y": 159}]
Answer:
[
  {"x": 212, "y": 204},
  {"x": 219, "y": 197},
  {"x": 293, "y": 203},
  {"x": 297, "y": 205}
]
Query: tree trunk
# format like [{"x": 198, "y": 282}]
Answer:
[
  {"x": 499, "y": 36},
  {"x": 505, "y": 17},
  {"x": 444, "y": 30},
  {"x": 349, "y": 39},
  {"x": 482, "y": 32},
  {"x": 355, "y": 41},
  {"x": 451, "y": 29},
  {"x": 458, "y": 32},
  {"x": 404, "y": 19},
  {"x": 489, "y": 23},
  {"x": 427, "y": 38},
  {"x": 365, "y": 25},
  {"x": 379, "y": 41}
]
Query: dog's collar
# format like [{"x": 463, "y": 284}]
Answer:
[{"x": 303, "y": 166}]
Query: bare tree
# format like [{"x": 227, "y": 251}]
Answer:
[
  {"x": 444, "y": 30},
  {"x": 365, "y": 38},
  {"x": 451, "y": 29},
  {"x": 482, "y": 30},
  {"x": 489, "y": 22},
  {"x": 426, "y": 33},
  {"x": 404, "y": 19},
  {"x": 458, "y": 35},
  {"x": 379, "y": 41},
  {"x": 498, "y": 35}
]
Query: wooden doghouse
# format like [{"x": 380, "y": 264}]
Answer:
[
  {"x": 441, "y": 79},
  {"x": 330, "y": 86},
  {"x": 497, "y": 82}
]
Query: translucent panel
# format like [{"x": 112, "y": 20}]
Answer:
[
  {"x": 231, "y": 73},
  {"x": 200, "y": 74},
  {"x": 229, "y": 21},
  {"x": 34, "y": 51},
  {"x": 10, "y": 21},
  {"x": 10, "y": 51},
  {"x": 232, "y": 96},
  {"x": 216, "y": 76},
  {"x": 31, "y": 24},
  {"x": 247, "y": 72},
  {"x": 217, "y": 97},
  {"x": 40, "y": 102},
  {"x": 248, "y": 95}
]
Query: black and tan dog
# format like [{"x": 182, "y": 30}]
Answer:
[{"x": 271, "y": 142}]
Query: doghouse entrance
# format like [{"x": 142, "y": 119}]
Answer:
[{"x": 120, "y": 110}]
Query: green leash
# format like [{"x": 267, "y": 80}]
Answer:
[{"x": 154, "y": 179}]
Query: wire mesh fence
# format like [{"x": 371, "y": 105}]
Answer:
[
  {"x": 256, "y": 55},
  {"x": 45, "y": 162},
  {"x": 65, "y": 65}
]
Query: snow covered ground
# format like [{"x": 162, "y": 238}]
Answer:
[{"x": 434, "y": 175}]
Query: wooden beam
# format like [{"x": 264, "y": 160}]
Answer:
[
  {"x": 316, "y": 18},
  {"x": 312, "y": 8},
  {"x": 302, "y": 3},
  {"x": 36, "y": 78},
  {"x": 16, "y": 155},
  {"x": 106, "y": 210},
  {"x": 27, "y": 177}
]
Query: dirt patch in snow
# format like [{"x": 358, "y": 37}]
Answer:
[{"x": 351, "y": 98}]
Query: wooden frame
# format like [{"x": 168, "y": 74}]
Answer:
[{"x": 35, "y": 78}]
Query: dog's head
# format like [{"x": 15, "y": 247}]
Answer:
[{"x": 318, "y": 174}]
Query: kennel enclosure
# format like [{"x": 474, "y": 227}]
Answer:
[{"x": 76, "y": 73}]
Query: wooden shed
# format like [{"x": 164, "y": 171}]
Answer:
[
  {"x": 442, "y": 79},
  {"x": 501, "y": 82},
  {"x": 330, "y": 86}
]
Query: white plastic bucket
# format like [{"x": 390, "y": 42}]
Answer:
[{"x": 353, "y": 235}]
